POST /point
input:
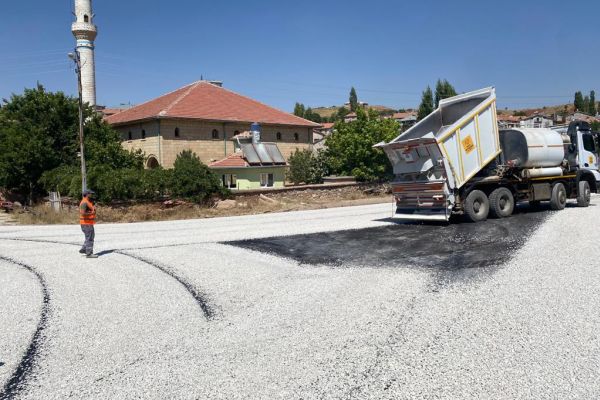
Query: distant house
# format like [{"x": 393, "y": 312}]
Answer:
[
  {"x": 322, "y": 132},
  {"x": 537, "y": 121},
  {"x": 204, "y": 117},
  {"x": 350, "y": 117},
  {"x": 406, "y": 119},
  {"x": 507, "y": 121},
  {"x": 579, "y": 116},
  {"x": 253, "y": 165}
]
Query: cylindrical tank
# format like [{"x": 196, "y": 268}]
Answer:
[{"x": 532, "y": 147}]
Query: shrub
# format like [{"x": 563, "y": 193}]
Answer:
[
  {"x": 192, "y": 179},
  {"x": 307, "y": 167}
]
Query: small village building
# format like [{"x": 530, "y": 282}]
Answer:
[
  {"x": 253, "y": 165},
  {"x": 537, "y": 121},
  {"x": 350, "y": 117},
  {"x": 204, "y": 117},
  {"x": 507, "y": 121},
  {"x": 405, "y": 119}
]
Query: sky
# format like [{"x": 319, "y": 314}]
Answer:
[{"x": 280, "y": 52}]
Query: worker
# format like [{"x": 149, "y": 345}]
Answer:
[{"x": 87, "y": 219}]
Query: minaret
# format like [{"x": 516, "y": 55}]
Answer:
[{"x": 85, "y": 32}]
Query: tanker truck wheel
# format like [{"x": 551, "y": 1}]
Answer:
[
  {"x": 477, "y": 206},
  {"x": 583, "y": 194},
  {"x": 502, "y": 203},
  {"x": 558, "y": 201}
]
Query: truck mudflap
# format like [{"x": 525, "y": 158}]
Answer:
[{"x": 421, "y": 201}]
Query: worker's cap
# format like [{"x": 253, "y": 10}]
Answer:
[{"x": 88, "y": 192}]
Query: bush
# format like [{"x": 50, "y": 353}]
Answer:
[
  {"x": 192, "y": 179},
  {"x": 307, "y": 167}
]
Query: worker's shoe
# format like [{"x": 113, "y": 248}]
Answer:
[
  {"x": 91, "y": 256},
  {"x": 82, "y": 251}
]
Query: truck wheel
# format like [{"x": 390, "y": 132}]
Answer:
[
  {"x": 502, "y": 203},
  {"x": 558, "y": 201},
  {"x": 477, "y": 206},
  {"x": 583, "y": 194}
]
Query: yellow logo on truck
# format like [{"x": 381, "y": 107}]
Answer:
[
  {"x": 591, "y": 159},
  {"x": 467, "y": 144}
]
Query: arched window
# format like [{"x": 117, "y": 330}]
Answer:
[
  {"x": 86, "y": 18},
  {"x": 152, "y": 162},
  {"x": 296, "y": 137},
  {"x": 129, "y": 136},
  {"x": 278, "y": 135},
  {"x": 215, "y": 134},
  {"x": 143, "y": 134},
  {"x": 176, "y": 132}
]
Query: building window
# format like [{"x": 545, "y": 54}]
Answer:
[
  {"x": 230, "y": 181},
  {"x": 152, "y": 163},
  {"x": 176, "y": 132},
  {"x": 129, "y": 136},
  {"x": 215, "y": 134},
  {"x": 86, "y": 18},
  {"x": 266, "y": 180},
  {"x": 296, "y": 137},
  {"x": 143, "y": 134},
  {"x": 278, "y": 135}
]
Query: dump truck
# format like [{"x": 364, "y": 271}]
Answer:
[{"x": 456, "y": 161}]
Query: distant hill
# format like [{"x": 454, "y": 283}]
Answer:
[
  {"x": 325, "y": 112},
  {"x": 540, "y": 110}
]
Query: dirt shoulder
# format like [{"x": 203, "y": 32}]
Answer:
[{"x": 309, "y": 199}]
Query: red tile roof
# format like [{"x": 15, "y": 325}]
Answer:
[
  {"x": 235, "y": 160},
  {"x": 205, "y": 101},
  {"x": 402, "y": 115}
]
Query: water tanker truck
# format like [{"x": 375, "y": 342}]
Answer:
[{"x": 457, "y": 161}]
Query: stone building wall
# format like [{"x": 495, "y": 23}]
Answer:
[{"x": 198, "y": 137}]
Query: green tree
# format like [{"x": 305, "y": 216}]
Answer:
[
  {"x": 426, "y": 106},
  {"x": 353, "y": 99},
  {"x": 307, "y": 167},
  {"x": 39, "y": 133},
  {"x": 578, "y": 102},
  {"x": 299, "y": 110},
  {"x": 443, "y": 90},
  {"x": 586, "y": 104},
  {"x": 192, "y": 179},
  {"x": 350, "y": 149},
  {"x": 592, "y": 103}
]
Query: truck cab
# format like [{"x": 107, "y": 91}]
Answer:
[{"x": 583, "y": 151}]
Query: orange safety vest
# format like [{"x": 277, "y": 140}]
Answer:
[{"x": 87, "y": 217}]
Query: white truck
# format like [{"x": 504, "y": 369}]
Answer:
[{"x": 457, "y": 161}]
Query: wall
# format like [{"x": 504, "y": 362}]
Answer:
[
  {"x": 197, "y": 136},
  {"x": 150, "y": 145},
  {"x": 249, "y": 178}
]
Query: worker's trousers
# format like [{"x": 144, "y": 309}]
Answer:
[{"x": 88, "y": 245}]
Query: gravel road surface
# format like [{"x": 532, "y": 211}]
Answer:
[{"x": 340, "y": 303}]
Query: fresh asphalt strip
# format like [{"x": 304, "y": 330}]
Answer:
[
  {"x": 199, "y": 296},
  {"x": 18, "y": 379},
  {"x": 447, "y": 248}
]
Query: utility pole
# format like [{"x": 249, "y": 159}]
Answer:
[{"x": 75, "y": 57}]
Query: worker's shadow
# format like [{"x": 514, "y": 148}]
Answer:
[{"x": 105, "y": 252}]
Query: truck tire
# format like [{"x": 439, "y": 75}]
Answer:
[
  {"x": 502, "y": 203},
  {"x": 558, "y": 200},
  {"x": 583, "y": 194},
  {"x": 477, "y": 206}
]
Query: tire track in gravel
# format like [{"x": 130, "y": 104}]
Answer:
[
  {"x": 199, "y": 296},
  {"x": 18, "y": 379}
]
